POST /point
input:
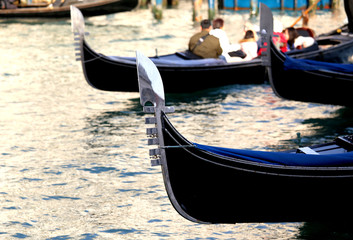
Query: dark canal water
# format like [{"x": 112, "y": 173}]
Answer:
[{"x": 74, "y": 160}]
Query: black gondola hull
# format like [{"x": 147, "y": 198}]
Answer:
[
  {"x": 101, "y": 72},
  {"x": 309, "y": 86},
  {"x": 88, "y": 9},
  {"x": 212, "y": 189}
]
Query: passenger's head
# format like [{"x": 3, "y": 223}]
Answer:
[
  {"x": 291, "y": 34},
  {"x": 218, "y": 23},
  {"x": 205, "y": 24},
  {"x": 249, "y": 34}
]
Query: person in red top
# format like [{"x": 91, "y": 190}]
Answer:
[
  {"x": 278, "y": 38},
  {"x": 280, "y": 41}
]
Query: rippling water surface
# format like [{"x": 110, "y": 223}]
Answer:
[{"x": 74, "y": 160}]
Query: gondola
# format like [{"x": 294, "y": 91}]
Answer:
[
  {"x": 309, "y": 81},
  {"x": 208, "y": 184},
  {"x": 100, "y": 71},
  {"x": 61, "y": 9},
  {"x": 320, "y": 83}
]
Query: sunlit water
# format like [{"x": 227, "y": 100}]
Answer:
[{"x": 74, "y": 160}]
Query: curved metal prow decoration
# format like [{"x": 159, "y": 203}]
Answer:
[
  {"x": 150, "y": 82},
  {"x": 266, "y": 28},
  {"x": 152, "y": 91},
  {"x": 78, "y": 29},
  {"x": 266, "y": 31}
]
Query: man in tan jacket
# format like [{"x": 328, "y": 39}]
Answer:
[{"x": 203, "y": 44}]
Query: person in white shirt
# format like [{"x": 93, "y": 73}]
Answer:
[
  {"x": 218, "y": 31},
  {"x": 248, "y": 48},
  {"x": 249, "y": 45}
]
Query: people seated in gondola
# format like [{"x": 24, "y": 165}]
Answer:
[
  {"x": 218, "y": 31},
  {"x": 227, "y": 47},
  {"x": 278, "y": 38},
  {"x": 295, "y": 41},
  {"x": 249, "y": 45},
  {"x": 203, "y": 44},
  {"x": 248, "y": 48}
]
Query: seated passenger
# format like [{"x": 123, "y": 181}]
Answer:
[
  {"x": 218, "y": 32},
  {"x": 203, "y": 44},
  {"x": 278, "y": 38},
  {"x": 248, "y": 46},
  {"x": 295, "y": 41}
]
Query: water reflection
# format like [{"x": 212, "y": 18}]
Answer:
[
  {"x": 74, "y": 160},
  {"x": 323, "y": 129},
  {"x": 107, "y": 123},
  {"x": 106, "y": 133}
]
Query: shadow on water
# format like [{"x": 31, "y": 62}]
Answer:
[
  {"x": 341, "y": 123},
  {"x": 101, "y": 129},
  {"x": 210, "y": 95},
  {"x": 197, "y": 102},
  {"x": 326, "y": 231},
  {"x": 324, "y": 129},
  {"x": 106, "y": 122}
]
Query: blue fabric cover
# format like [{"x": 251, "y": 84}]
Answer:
[
  {"x": 281, "y": 158},
  {"x": 311, "y": 65}
]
